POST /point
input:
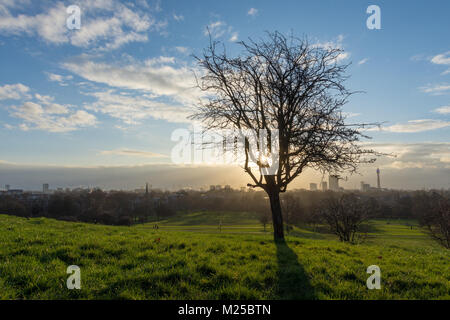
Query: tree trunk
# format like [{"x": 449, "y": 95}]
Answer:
[{"x": 277, "y": 217}]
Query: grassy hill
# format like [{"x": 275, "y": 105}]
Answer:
[{"x": 193, "y": 260}]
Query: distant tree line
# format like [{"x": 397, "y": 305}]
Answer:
[
  {"x": 95, "y": 206},
  {"x": 342, "y": 213}
]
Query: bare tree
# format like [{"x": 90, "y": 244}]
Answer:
[
  {"x": 435, "y": 217},
  {"x": 288, "y": 84},
  {"x": 345, "y": 214},
  {"x": 264, "y": 218}
]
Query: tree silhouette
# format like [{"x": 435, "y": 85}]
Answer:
[{"x": 288, "y": 84}]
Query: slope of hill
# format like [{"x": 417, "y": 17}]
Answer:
[{"x": 140, "y": 262}]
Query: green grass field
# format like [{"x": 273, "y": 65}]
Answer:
[{"x": 193, "y": 260}]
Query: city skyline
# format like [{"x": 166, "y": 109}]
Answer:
[{"x": 315, "y": 185}]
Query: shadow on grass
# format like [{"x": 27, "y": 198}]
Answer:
[{"x": 293, "y": 282}]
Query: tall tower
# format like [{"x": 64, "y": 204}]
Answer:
[
  {"x": 378, "y": 178},
  {"x": 146, "y": 188}
]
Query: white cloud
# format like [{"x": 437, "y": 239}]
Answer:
[
  {"x": 50, "y": 106},
  {"x": 178, "y": 17},
  {"x": 415, "y": 126},
  {"x": 14, "y": 91},
  {"x": 105, "y": 25},
  {"x": 183, "y": 50},
  {"x": 59, "y": 78},
  {"x": 45, "y": 114},
  {"x": 252, "y": 12},
  {"x": 216, "y": 29},
  {"x": 351, "y": 114},
  {"x": 158, "y": 76},
  {"x": 122, "y": 27},
  {"x": 133, "y": 110},
  {"x": 161, "y": 60},
  {"x": 44, "y": 99},
  {"x": 219, "y": 29},
  {"x": 50, "y": 25},
  {"x": 159, "y": 88},
  {"x": 406, "y": 165},
  {"x": 442, "y": 59},
  {"x": 234, "y": 36},
  {"x": 335, "y": 44},
  {"x": 132, "y": 153},
  {"x": 426, "y": 155},
  {"x": 35, "y": 116},
  {"x": 443, "y": 110},
  {"x": 363, "y": 61},
  {"x": 437, "y": 89}
]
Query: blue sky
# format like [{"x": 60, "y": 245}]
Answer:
[{"x": 111, "y": 93}]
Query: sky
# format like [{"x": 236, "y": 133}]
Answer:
[{"x": 97, "y": 105}]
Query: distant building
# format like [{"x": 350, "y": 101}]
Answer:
[
  {"x": 378, "y": 179},
  {"x": 313, "y": 186},
  {"x": 7, "y": 187},
  {"x": 324, "y": 186},
  {"x": 45, "y": 188},
  {"x": 365, "y": 186},
  {"x": 218, "y": 187},
  {"x": 14, "y": 192},
  {"x": 333, "y": 181},
  {"x": 140, "y": 190},
  {"x": 212, "y": 188},
  {"x": 228, "y": 187}
]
